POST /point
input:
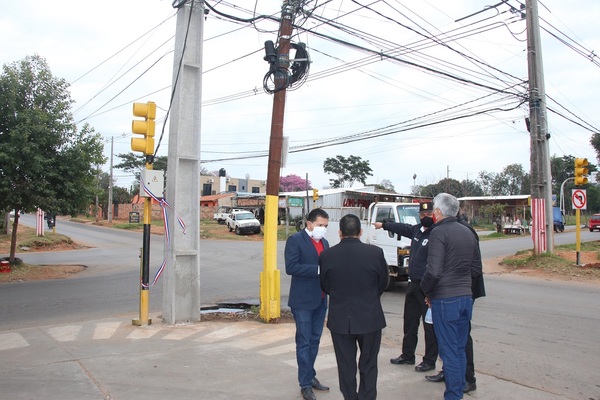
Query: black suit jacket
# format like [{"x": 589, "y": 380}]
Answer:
[{"x": 354, "y": 275}]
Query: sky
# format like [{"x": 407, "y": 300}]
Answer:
[{"x": 414, "y": 96}]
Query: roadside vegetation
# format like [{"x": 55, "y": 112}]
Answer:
[
  {"x": 562, "y": 263},
  {"x": 28, "y": 241}
]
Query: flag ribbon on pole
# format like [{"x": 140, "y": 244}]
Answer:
[{"x": 164, "y": 204}]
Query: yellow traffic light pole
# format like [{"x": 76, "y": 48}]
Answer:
[
  {"x": 581, "y": 171},
  {"x": 146, "y": 146}
]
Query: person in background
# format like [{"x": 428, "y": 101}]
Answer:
[
  {"x": 355, "y": 275},
  {"x": 452, "y": 255},
  {"x": 414, "y": 301},
  {"x": 307, "y": 301}
]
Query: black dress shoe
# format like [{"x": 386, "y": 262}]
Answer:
[
  {"x": 402, "y": 360},
  {"x": 307, "y": 394},
  {"x": 424, "y": 367},
  {"x": 436, "y": 378},
  {"x": 317, "y": 385},
  {"x": 469, "y": 387}
]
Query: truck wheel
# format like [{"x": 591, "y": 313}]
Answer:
[
  {"x": 237, "y": 230},
  {"x": 257, "y": 230},
  {"x": 229, "y": 227}
]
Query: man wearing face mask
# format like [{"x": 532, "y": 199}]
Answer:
[
  {"x": 306, "y": 300},
  {"x": 414, "y": 302}
]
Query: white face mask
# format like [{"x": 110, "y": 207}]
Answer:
[{"x": 319, "y": 232}]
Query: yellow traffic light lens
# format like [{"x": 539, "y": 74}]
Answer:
[
  {"x": 138, "y": 144},
  {"x": 145, "y": 110}
]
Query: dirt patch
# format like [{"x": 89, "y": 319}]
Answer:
[
  {"x": 285, "y": 318},
  {"x": 25, "y": 272},
  {"x": 588, "y": 271},
  {"x": 29, "y": 242}
]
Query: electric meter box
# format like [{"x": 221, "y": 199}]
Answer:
[{"x": 154, "y": 181}]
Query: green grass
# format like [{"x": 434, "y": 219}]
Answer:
[
  {"x": 552, "y": 262},
  {"x": 210, "y": 229}
]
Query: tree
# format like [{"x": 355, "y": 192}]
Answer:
[
  {"x": 44, "y": 161},
  {"x": 293, "y": 183},
  {"x": 446, "y": 185},
  {"x": 385, "y": 185},
  {"x": 471, "y": 188},
  {"x": 510, "y": 181},
  {"x": 486, "y": 181},
  {"x": 120, "y": 195},
  {"x": 491, "y": 211},
  {"x": 595, "y": 142},
  {"x": 348, "y": 170}
]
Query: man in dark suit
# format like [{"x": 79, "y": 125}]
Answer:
[
  {"x": 306, "y": 300},
  {"x": 355, "y": 275}
]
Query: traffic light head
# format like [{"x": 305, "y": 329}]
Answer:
[
  {"x": 581, "y": 171},
  {"x": 143, "y": 127},
  {"x": 315, "y": 194}
]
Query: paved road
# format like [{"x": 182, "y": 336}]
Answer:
[{"x": 536, "y": 333}]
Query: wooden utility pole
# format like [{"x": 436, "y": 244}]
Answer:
[
  {"x": 541, "y": 178},
  {"x": 270, "y": 283}
]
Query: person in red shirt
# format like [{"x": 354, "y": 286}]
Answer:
[{"x": 307, "y": 301}]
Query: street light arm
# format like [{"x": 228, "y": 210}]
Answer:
[{"x": 562, "y": 198}]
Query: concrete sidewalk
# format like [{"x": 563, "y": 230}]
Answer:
[{"x": 247, "y": 359}]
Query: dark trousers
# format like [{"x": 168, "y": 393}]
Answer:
[
  {"x": 414, "y": 311},
  {"x": 344, "y": 346},
  {"x": 470, "y": 375}
]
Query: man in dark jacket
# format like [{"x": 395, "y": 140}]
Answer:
[
  {"x": 414, "y": 301},
  {"x": 306, "y": 300},
  {"x": 355, "y": 275},
  {"x": 478, "y": 290},
  {"x": 452, "y": 255}
]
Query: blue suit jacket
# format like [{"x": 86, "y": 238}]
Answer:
[{"x": 302, "y": 263}]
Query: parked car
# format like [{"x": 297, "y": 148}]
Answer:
[
  {"x": 242, "y": 222},
  {"x": 222, "y": 213},
  {"x": 594, "y": 222}
]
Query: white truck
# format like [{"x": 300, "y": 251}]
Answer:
[
  {"x": 223, "y": 212},
  {"x": 396, "y": 249}
]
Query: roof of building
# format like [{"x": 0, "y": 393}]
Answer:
[
  {"x": 213, "y": 197},
  {"x": 491, "y": 198},
  {"x": 362, "y": 190}
]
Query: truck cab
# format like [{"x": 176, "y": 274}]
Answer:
[{"x": 395, "y": 248}]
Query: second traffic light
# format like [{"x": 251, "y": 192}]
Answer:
[
  {"x": 145, "y": 127},
  {"x": 315, "y": 194},
  {"x": 581, "y": 171}
]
